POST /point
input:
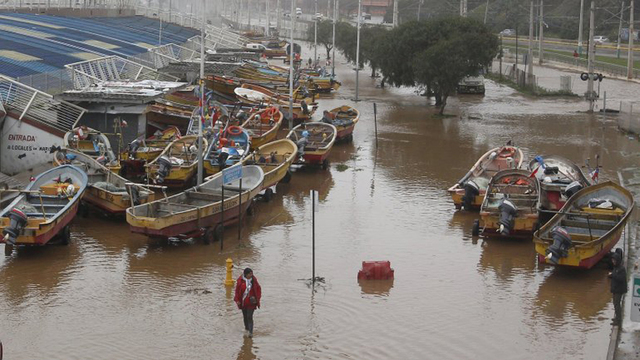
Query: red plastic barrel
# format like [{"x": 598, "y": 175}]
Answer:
[{"x": 376, "y": 270}]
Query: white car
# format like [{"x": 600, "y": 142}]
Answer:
[
  {"x": 298, "y": 11},
  {"x": 508, "y": 32},
  {"x": 318, "y": 16},
  {"x": 600, "y": 39}
]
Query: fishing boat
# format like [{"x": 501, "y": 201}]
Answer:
[
  {"x": 345, "y": 119},
  {"x": 469, "y": 191},
  {"x": 275, "y": 159},
  {"x": 141, "y": 151},
  {"x": 177, "y": 164},
  {"x": 93, "y": 143},
  {"x": 263, "y": 126},
  {"x": 44, "y": 209},
  {"x": 106, "y": 191},
  {"x": 586, "y": 228},
  {"x": 559, "y": 179},
  {"x": 227, "y": 149},
  {"x": 510, "y": 205},
  {"x": 198, "y": 210},
  {"x": 314, "y": 141},
  {"x": 257, "y": 95}
]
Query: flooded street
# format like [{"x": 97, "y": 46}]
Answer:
[{"x": 114, "y": 295}]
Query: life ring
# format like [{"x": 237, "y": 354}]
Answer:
[
  {"x": 511, "y": 152},
  {"x": 584, "y": 76},
  {"x": 234, "y": 130}
]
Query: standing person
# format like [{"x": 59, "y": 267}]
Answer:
[
  {"x": 618, "y": 286},
  {"x": 247, "y": 298}
]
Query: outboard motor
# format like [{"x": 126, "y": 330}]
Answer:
[
  {"x": 471, "y": 190},
  {"x": 18, "y": 220},
  {"x": 508, "y": 212},
  {"x": 305, "y": 107},
  {"x": 572, "y": 188},
  {"x": 222, "y": 159},
  {"x": 164, "y": 167},
  {"x": 561, "y": 244},
  {"x": 135, "y": 195}
]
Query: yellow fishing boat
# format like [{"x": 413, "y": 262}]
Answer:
[
  {"x": 177, "y": 164},
  {"x": 197, "y": 212},
  {"x": 263, "y": 126},
  {"x": 586, "y": 228},
  {"x": 275, "y": 159},
  {"x": 314, "y": 141},
  {"x": 510, "y": 206},
  {"x": 469, "y": 191},
  {"x": 107, "y": 191},
  {"x": 344, "y": 118},
  {"x": 258, "y": 95},
  {"x": 44, "y": 209},
  {"x": 93, "y": 143},
  {"x": 139, "y": 152}
]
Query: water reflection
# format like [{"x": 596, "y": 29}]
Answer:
[
  {"x": 246, "y": 351},
  {"x": 568, "y": 293},
  {"x": 506, "y": 258},
  {"x": 376, "y": 287}
]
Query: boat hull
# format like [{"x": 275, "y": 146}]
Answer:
[
  {"x": 457, "y": 193},
  {"x": 44, "y": 233},
  {"x": 582, "y": 258}
]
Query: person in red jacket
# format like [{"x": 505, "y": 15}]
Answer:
[{"x": 247, "y": 298}]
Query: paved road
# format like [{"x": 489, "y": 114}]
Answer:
[{"x": 608, "y": 49}]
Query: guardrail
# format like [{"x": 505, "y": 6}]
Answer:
[
  {"x": 38, "y": 106},
  {"x": 112, "y": 68}
]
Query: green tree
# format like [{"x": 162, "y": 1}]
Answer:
[{"x": 325, "y": 35}]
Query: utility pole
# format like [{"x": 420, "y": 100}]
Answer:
[
  {"x": 278, "y": 16},
  {"x": 395, "y": 13},
  {"x": 630, "y": 50},
  {"x": 200, "y": 149},
  {"x": 291, "y": 61},
  {"x": 580, "y": 28},
  {"x": 266, "y": 31},
  {"x": 592, "y": 21},
  {"x": 541, "y": 39},
  {"x": 419, "y": 8},
  {"x": 333, "y": 46},
  {"x": 315, "y": 34},
  {"x": 463, "y": 8},
  {"x": 358, "y": 48},
  {"x": 530, "y": 53},
  {"x": 619, "y": 30},
  {"x": 249, "y": 14},
  {"x": 486, "y": 11}
]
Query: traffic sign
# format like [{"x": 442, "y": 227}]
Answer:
[
  {"x": 635, "y": 299},
  {"x": 232, "y": 174}
]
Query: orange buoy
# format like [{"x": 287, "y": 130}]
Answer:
[{"x": 376, "y": 270}]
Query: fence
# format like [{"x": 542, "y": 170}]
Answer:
[
  {"x": 44, "y": 5},
  {"x": 629, "y": 117},
  {"x": 37, "y": 105}
]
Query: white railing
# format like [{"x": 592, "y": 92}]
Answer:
[
  {"x": 166, "y": 54},
  {"x": 112, "y": 68},
  {"x": 26, "y": 102}
]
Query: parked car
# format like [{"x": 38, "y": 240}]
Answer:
[
  {"x": 318, "y": 16},
  {"x": 366, "y": 16},
  {"x": 298, "y": 11},
  {"x": 471, "y": 85},
  {"x": 255, "y": 46},
  {"x": 600, "y": 39},
  {"x": 508, "y": 32}
]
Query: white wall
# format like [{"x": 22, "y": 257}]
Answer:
[{"x": 24, "y": 146}]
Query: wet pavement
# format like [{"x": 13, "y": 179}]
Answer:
[{"x": 111, "y": 294}]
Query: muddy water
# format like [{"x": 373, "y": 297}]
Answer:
[{"x": 111, "y": 294}]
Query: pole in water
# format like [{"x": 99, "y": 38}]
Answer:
[
  {"x": 375, "y": 121},
  {"x": 358, "y": 48},
  {"x": 240, "y": 210},
  {"x": 291, "y": 60},
  {"x": 222, "y": 217},
  {"x": 313, "y": 236}
]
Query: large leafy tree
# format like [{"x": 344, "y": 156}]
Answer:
[{"x": 325, "y": 35}]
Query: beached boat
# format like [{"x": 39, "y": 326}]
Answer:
[
  {"x": 275, "y": 159},
  {"x": 510, "y": 205},
  {"x": 141, "y": 151},
  {"x": 177, "y": 164},
  {"x": 45, "y": 208},
  {"x": 107, "y": 191},
  {"x": 559, "y": 179},
  {"x": 345, "y": 119},
  {"x": 226, "y": 149},
  {"x": 93, "y": 143},
  {"x": 586, "y": 228},
  {"x": 314, "y": 141},
  {"x": 197, "y": 211},
  {"x": 258, "y": 95},
  {"x": 263, "y": 126},
  {"x": 469, "y": 191}
]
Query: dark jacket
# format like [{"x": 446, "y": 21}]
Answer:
[
  {"x": 256, "y": 291},
  {"x": 618, "y": 277}
]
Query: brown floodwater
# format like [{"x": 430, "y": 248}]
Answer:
[{"x": 114, "y": 295}]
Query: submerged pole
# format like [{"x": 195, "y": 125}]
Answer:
[
  {"x": 358, "y": 49},
  {"x": 291, "y": 60},
  {"x": 333, "y": 46}
]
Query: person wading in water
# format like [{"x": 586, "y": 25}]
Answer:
[{"x": 247, "y": 297}]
